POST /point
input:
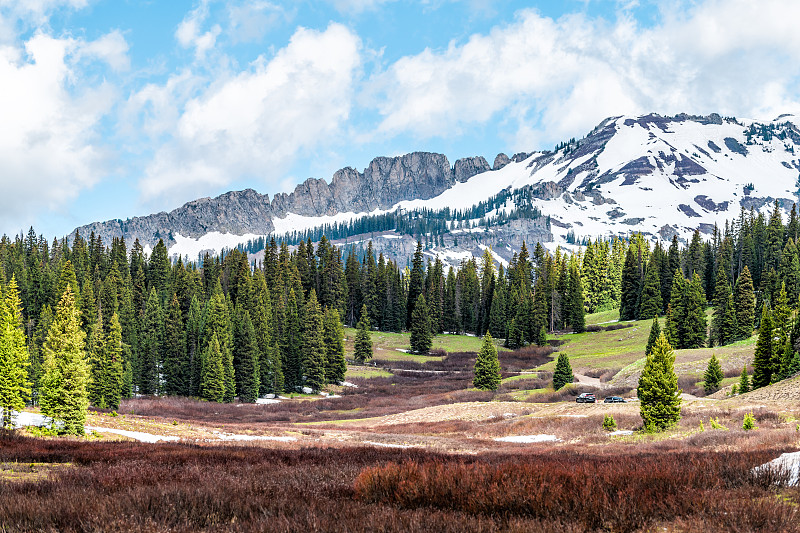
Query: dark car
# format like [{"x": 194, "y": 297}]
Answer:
[
  {"x": 586, "y": 397},
  {"x": 614, "y": 399}
]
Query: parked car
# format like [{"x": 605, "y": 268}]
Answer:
[
  {"x": 586, "y": 397},
  {"x": 614, "y": 399}
]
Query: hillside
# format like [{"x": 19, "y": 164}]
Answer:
[{"x": 662, "y": 176}]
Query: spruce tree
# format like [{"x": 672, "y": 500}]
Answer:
[
  {"x": 787, "y": 356},
  {"x": 650, "y": 300},
  {"x": 577, "y": 313},
  {"x": 176, "y": 363},
  {"x": 362, "y": 351},
  {"x": 113, "y": 372},
  {"x": 744, "y": 381},
  {"x": 658, "y": 392},
  {"x": 245, "y": 357},
  {"x": 694, "y": 327},
  {"x": 335, "y": 363},
  {"x": 152, "y": 337},
  {"x": 762, "y": 359},
  {"x": 563, "y": 373},
  {"x": 487, "y": 366},
  {"x": 415, "y": 284},
  {"x": 721, "y": 330},
  {"x": 676, "y": 311},
  {"x": 655, "y": 332},
  {"x": 63, "y": 394},
  {"x": 218, "y": 322},
  {"x": 313, "y": 363},
  {"x": 420, "y": 327},
  {"x": 630, "y": 287},
  {"x": 14, "y": 361},
  {"x": 745, "y": 304},
  {"x": 713, "y": 375},
  {"x": 212, "y": 381},
  {"x": 261, "y": 312},
  {"x": 96, "y": 353}
]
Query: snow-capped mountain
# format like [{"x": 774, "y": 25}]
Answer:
[{"x": 661, "y": 176}]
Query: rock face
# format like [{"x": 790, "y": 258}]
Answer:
[{"x": 385, "y": 182}]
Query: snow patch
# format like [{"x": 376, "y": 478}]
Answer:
[
  {"x": 213, "y": 241},
  {"x": 246, "y": 438},
  {"x": 790, "y": 462},
  {"x": 136, "y": 435},
  {"x": 621, "y": 432},
  {"x": 529, "y": 439},
  {"x": 348, "y": 384},
  {"x": 267, "y": 401},
  {"x": 385, "y": 444}
]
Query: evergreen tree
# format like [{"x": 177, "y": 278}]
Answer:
[
  {"x": 744, "y": 304},
  {"x": 487, "y": 366},
  {"x": 63, "y": 394},
  {"x": 269, "y": 363},
  {"x": 655, "y": 332},
  {"x": 218, "y": 322},
  {"x": 420, "y": 327},
  {"x": 335, "y": 363},
  {"x": 658, "y": 388},
  {"x": 762, "y": 359},
  {"x": 194, "y": 346},
  {"x": 245, "y": 357},
  {"x": 362, "y": 351},
  {"x": 497, "y": 314},
  {"x": 563, "y": 374},
  {"x": 14, "y": 361},
  {"x": 415, "y": 283},
  {"x": 650, "y": 300},
  {"x": 744, "y": 381},
  {"x": 787, "y": 357},
  {"x": 96, "y": 354},
  {"x": 676, "y": 311},
  {"x": 313, "y": 345},
  {"x": 212, "y": 381},
  {"x": 713, "y": 375},
  {"x": 694, "y": 328},
  {"x": 152, "y": 335},
  {"x": 113, "y": 373},
  {"x": 176, "y": 364},
  {"x": 577, "y": 316},
  {"x": 630, "y": 287}
]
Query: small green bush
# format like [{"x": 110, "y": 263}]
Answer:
[
  {"x": 702, "y": 427},
  {"x": 716, "y": 425},
  {"x": 609, "y": 424},
  {"x": 749, "y": 422}
]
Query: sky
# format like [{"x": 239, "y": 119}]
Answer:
[{"x": 120, "y": 108}]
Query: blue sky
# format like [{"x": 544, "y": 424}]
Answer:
[{"x": 113, "y": 109}]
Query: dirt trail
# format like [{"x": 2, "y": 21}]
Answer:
[{"x": 586, "y": 380}]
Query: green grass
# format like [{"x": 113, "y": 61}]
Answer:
[
  {"x": 366, "y": 373},
  {"x": 603, "y": 349},
  {"x": 386, "y": 341},
  {"x": 602, "y": 317}
]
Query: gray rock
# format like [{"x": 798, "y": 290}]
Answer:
[{"x": 500, "y": 161}]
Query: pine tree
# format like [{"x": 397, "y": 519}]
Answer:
[
  {"x": 745, "y": 304},
  {"x": 650, "y": 300},
  {"x": 245, "y": 357},
  {"x": 269, "y": 364},
  {"x": 313, "y": 345},
  {"x": 420, "y": 327},
  {"x": 335, "y": 363},
  {"x": 630, "y": 287},
  {"x": 676, "y": 311},
  {"x": 415, "y": 284},
  {"x": 744, "y": 381},
  {"x": 212, "y": 381},
  {"x": 152, "y": 336},
  {"x": 762, "y": 359},
  {"x": 658, "y": 388},
  {"x": 14, "y": 361},
  {"x": 655, "y": 332},
  {"x": 713, "y": 375},
  {"x": 577, "y": 316},
  {"x": 176, "y": 363},
  {"x": 96, "y": 354},
  {"x": 362, "y": 351},
  {"x": 218, "y": 322},
  {"x": 722, "y": 331},
  {"x": 113, "y": 372},
  {"x": 787, "y": 356},
  {"x": 694, "y": 328},
  {"x": 487, "y": 366},
  {"x": 563, "y": 374},
  {"x": 63, "y": 394}
]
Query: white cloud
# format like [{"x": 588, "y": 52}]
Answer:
[
  {"x": 37, "y": 12},
  {"x": 48, "y": 142},
  {"x": 190, "y": 35},
  {"x": 250, "y": 21},
  {"x": 112, "y": 48},
  {"x": 733, "y": 57},
  {"x": 257, "y": 122},
  {"x": 357, "y": 6}
]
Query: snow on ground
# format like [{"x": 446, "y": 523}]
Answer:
[
  {"x": 788, "y": 461},
  {"x": 214, "y": 240},
  {"x": 620, "y": 432},
  {"x": 136, "y": 435},
  {"x": 267, "y": 401},
  {"x": 348, "y": 384},
  {"x": 529, "y": 439},
  {"x": 385, "y": 444},
  {"x": 292, "y": 222},
  {"x": 494, "y": 255},
  {"x": 244, "y": 438}
]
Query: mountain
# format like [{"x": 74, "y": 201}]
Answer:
[{"x": 661, "y": 176}]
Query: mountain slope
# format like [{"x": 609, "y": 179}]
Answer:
[{"x": 661, "y": 176}]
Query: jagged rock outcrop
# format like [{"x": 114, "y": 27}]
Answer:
[{"x": 500, "y": 161}]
